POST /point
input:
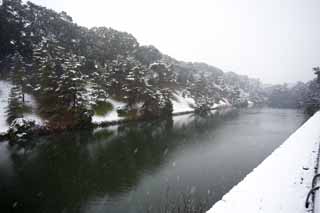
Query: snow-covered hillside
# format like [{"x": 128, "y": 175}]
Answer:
[
  {"x": 104, "y": 63},
  {"x": 182, "y": 104},
  {"x": 281, "y": 182}
]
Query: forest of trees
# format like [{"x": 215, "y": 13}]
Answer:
[
  {"x": 71, "y": 69},
  {"x": 305, "y": 96}
]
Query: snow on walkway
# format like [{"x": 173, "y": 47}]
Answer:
[{"x": 281, "y": 182}]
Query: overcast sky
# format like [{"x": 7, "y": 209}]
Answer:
[{"x": 274, "y": 40}]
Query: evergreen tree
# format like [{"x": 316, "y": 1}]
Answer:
[
  {"x": 72, "y": 82},
  {"x": 135, "y": 84},
  {"x": 98, "y": 85},
  {"x": 15, "y": 107},
  {"x": 18, "y": 74},
  {"x": 200, "y": 92},
  {"x": 161, "y": 75},
  {"x": 317, "y": 73},
  {"x": 157, "y": 103}
]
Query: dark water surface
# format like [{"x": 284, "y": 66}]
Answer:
[{"x": 141, "y": 167}]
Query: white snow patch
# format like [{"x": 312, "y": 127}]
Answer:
[
  {"x": 250, "y": 104},
  {"x": 281, "y": 182},
  {"x": 222, "y": 104},
  {"x": 34, "y": 117},
  {"x": 182, "y": 104},
  {"x": 110, "y": 116},
  {"x": 32, "y": 103},
  {"x": 5, "y": 88}
]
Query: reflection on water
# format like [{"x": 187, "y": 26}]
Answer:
[{"x": 141, "y": 167}]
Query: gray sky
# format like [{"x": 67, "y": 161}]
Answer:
[{"x": 274, "y": 40}]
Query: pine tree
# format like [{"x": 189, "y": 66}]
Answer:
[
  {"x": 97, "y": 86},
  {"x": 71, "y": 83},
  {"x": 15, "y": 107},
  {"x": 135, "y": 84},
  {"x": 46, "y": 59},
  {"x": 317, "y": 73},
  {"x": 61, "y": 82},
  {"x": 200, "y": 92},
  {"x": 18, "y": 74},
  {"x": 162, "y": 75}
]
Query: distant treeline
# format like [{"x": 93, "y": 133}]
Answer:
[{"x": 301, "y": 95}]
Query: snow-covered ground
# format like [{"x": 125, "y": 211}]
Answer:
[
  {"x": 32, "y": 116},
  {"x": 250, "y": 104},
  {"x": 221, "y": 104},
  {"x": 281, "y": 182},
  {"x": 316, "y": 205},
  {"x": 4, "y": 95},
  {"x": 187, "y": 104},
  {"x": 182, "y": 104},
  {"x": 112, "y": 115},
  {"x": 5, "y": 87}
]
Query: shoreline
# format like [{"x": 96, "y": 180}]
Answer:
[{"x": 41, "y": 130}]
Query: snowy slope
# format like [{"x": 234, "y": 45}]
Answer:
[
  {"x": 110, "y": 116},
  {"x": 5, "y": 87},
  {"x": 281, "y": 182},
  {"x": 182, "y": 104},
  {"x": 4, "y": 95},
  {"x": 187, "y": 104}
]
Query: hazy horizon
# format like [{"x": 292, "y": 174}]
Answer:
[{"x": 275, "y": 41}]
